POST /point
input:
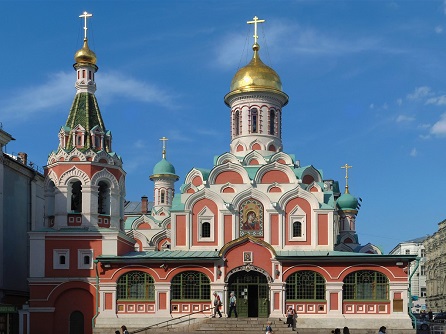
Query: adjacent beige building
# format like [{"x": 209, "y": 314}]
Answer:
[{"x": 435, "y": 246}]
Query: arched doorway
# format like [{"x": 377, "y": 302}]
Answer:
[
  {"x": 76, "y": 323},
  {"x": 252, "y": 291}
]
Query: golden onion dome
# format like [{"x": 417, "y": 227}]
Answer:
[
  {"x": 85, "y": 55},
  {"x": 256, "y": 76}
]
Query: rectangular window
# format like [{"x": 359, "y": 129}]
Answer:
[
  {"x": 61, "y": 259},
  {"x": 422, "y": 271},
  {"x": 85, "y": 259}
]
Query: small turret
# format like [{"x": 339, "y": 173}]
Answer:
[{"x": 164, "y": 178}]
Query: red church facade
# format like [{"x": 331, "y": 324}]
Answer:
[{"x": 258, "y": 224}]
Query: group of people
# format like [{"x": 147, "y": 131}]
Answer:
[
  {"x": 346, "y": 330},
  {"x": 232, "y": 305},
  {"x": 123, "y": 330}
]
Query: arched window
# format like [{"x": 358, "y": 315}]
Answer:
[
  {"x": 205, "y": 230},
  {"x": 163, "y": 197},
  {"x": 76, "y": 196},
  {"x": 237, "y": 123},
  {"x": 305, "y": 284},
  {"x": 297, "y": 229},
  {"x": 97, "y": 142},
  {"x": 254, "y": 120},
  {"x": 136, "y": 285},
  {"x": 272, "y": 122},
  {"x": 190, "y": 285},
  {"x": 103, "y": 198},
  {"x": 365, "y": 285}
]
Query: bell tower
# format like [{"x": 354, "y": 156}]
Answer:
[{"x": 85, "y": 182}]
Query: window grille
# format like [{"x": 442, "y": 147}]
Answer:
[
  {"x": 366, "y": 285},
  {"x": 136, "y": 285},
  {"x": 297, "y": 229},
  {"x": 191, "y": 285},
  {"x": 305, "y": 284},
  {"x": 205, "y": 230}
]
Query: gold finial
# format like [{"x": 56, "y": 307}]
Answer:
[
  {"x": 164, "y": 139},
  {"x": 346, "y": 166},
  {"x": 85, "y": 15},
  {"x": 255, "y": 21}
]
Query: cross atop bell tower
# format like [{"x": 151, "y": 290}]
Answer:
[
  {"x": 255, "y": 22},
  {"x": 85, "y": 15}
]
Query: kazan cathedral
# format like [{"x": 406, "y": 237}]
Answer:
[{"x": 259, "y": 224}]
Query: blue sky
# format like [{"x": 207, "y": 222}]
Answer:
[{"x": 366, "y": 80}]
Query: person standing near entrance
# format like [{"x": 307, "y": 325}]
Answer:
[
  {"x": 217, "y": 304},
  {"x": 232, "y": 305}
]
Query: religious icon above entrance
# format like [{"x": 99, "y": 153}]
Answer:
[{"x": 251, "y": 218}]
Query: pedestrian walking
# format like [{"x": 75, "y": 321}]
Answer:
[
  {"x": 290, "y": 316},
  {"x": 217, "y": 304},
  {"x": 232, "y": 305}
]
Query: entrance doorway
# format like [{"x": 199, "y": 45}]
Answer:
[{"x": 252, "y": 292}]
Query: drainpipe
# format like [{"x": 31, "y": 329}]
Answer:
[
  {"x": 93, "y": 320},
  {"x": 414, "y": 319}
]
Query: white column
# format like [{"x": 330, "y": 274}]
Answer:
[{"x": 62, "y": 205}]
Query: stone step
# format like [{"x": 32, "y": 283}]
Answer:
[{"x": 255, "y": 326}]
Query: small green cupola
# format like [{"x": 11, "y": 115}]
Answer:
[
  {"x": 347, "y": 201},
  {"x": 164, "y": 169}
]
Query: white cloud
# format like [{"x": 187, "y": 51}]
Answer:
[
  {"x": 404, "y": 118},
  {"x": 372, "y": 106},
  {"x": 115, "y": 85},
  {"x": 438, "y": 29},
  {"x": 301, "y": 40},
  {"x": 399, "y": 102},
  {"x": 419, "y": 93},
  {"x": 439, "y": 128},
  {"x": 437, "y": 100},
  {"x": 58, "y": 92},
  {"x": 55, "y": 92},
  {"x": 139, "y": 144},
  {"x": 414, "y": 152}
]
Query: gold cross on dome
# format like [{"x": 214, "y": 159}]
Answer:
[
  {"x": 255, "y": 21},
  {"x": 346, "y": 166},
  {"x": 85, "y": 15},
  {"x": 164, "y": 139}
]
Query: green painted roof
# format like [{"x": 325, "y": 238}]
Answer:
[
  {"x": 128, "y": 222},
  {"x": 204, "y": 172},
  {"x": 252, "y": 171},
  {"x": 166, "y": 255},
  {"x": 177, "y": 205}
]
